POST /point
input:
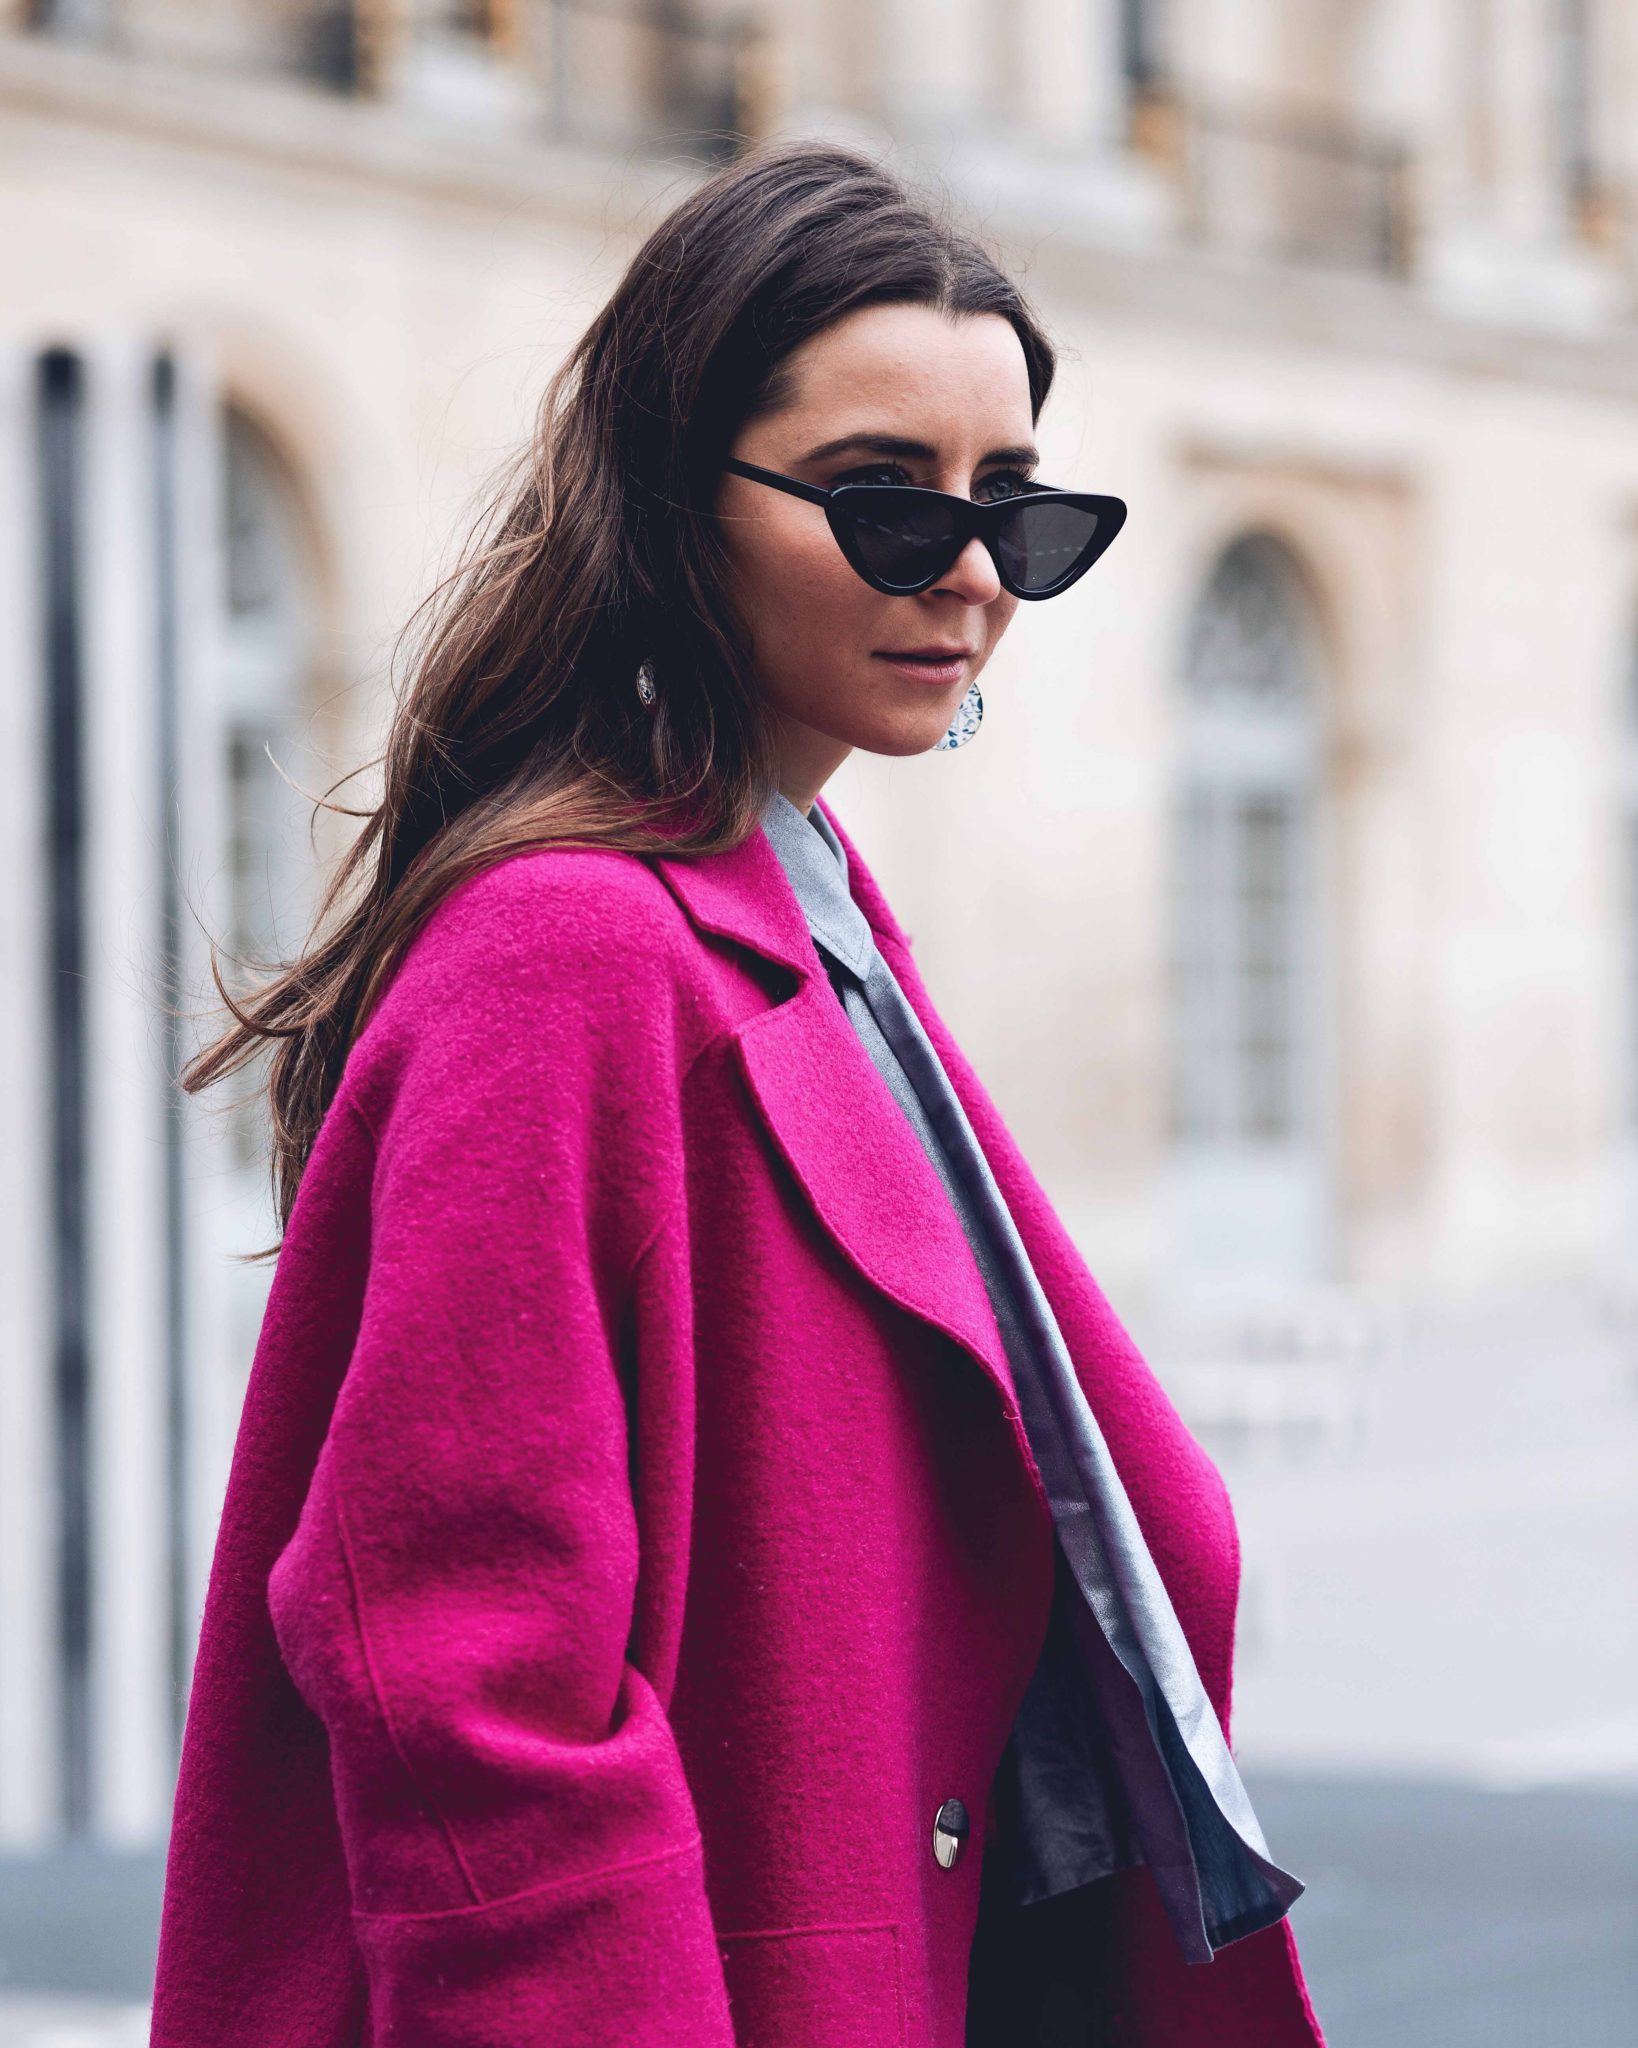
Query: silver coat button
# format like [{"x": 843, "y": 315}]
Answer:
[{"x": 950, "y": 1829}]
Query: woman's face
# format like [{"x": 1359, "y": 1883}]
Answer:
[{"x": 890, "y": 394}]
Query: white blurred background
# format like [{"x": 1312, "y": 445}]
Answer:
[{"x": 1330, "y": 771}]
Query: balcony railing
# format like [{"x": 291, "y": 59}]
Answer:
[
  {"x": 1295, "y": 187},
  {"x": 611, "y": 72}
]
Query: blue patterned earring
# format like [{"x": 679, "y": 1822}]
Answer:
[{"x": 969, "y": 712}]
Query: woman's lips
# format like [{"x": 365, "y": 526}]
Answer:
[{"x": 943, "y": 672}]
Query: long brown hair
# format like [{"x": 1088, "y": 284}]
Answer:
[{"x": 521, "y": 725}]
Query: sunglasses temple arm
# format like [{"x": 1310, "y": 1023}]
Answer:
[{"x": 793, "y": 485}]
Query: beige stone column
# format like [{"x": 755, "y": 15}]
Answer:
[
  {"x": 938, "y": 62},
  {"x": 1064, "y": 61},
  {"x": 127, "y": 1106},
  {"x": 1518, "y": 54},
  {"x": 1613, "y": 35}
]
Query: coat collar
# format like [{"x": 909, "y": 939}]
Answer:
[
  {"x": 743, "y": 894},
  {"x": 832, "y": 1117}
]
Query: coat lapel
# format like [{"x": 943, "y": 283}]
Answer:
[{"x": 828, "y": 1111}]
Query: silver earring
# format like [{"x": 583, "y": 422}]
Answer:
[
  {"x": 645, "y": 681},
  {"x": 969, "y": 712}
]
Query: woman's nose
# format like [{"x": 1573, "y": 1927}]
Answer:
[{"x": 971, "y": 576}]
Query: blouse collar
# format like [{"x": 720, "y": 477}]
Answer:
[{"x": 816, "y": 866}]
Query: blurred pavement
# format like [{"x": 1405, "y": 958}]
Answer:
[
  {"x": 1453, "y": 1594},
  {"x": 1442, "y": 1916}
]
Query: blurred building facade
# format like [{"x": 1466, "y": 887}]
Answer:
[{"x": 1331, "y": 767}]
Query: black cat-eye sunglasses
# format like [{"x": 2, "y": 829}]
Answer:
[{"x": 902, "y": 538}]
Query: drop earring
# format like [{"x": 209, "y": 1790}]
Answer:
[
  {"x": 969, "y": 713},
  {"x": 645, "y": 682}
]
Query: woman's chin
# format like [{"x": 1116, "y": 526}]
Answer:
[{"x": 913, "y": 731}]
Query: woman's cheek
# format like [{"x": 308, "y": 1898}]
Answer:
[{"x": 997, "y": 618}]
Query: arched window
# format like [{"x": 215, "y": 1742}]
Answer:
[
  {"x": 1624, "y": 935},
  {"x": 267, "y": 636},
  {"x": 1629, "y": 881},
  {"x": 1245, "y": 1098},
  {"x": 160, "y": 607}
]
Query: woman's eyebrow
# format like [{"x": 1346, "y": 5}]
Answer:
[{"x": 895, "y": 444}]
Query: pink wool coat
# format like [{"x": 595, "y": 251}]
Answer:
[{"x": 632, "y": 1538}]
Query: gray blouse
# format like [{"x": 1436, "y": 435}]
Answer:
[{"x": 1117, "y": 1756}]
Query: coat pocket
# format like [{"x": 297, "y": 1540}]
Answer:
[{"x": 824, "y": 1987}]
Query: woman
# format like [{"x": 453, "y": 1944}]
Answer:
[{"x": 702, "y": 1562}]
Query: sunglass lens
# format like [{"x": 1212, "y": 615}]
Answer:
[
  {"x": 904, "y": 545},
  {"x": 1041, "y": 544}
]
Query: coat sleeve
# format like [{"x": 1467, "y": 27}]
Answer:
[{"x": 457, "y": 1601}]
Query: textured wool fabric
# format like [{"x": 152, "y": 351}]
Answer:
[
  {"x": 632, "y": 1537},
  {"x": 1116, "y": 1757}
]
